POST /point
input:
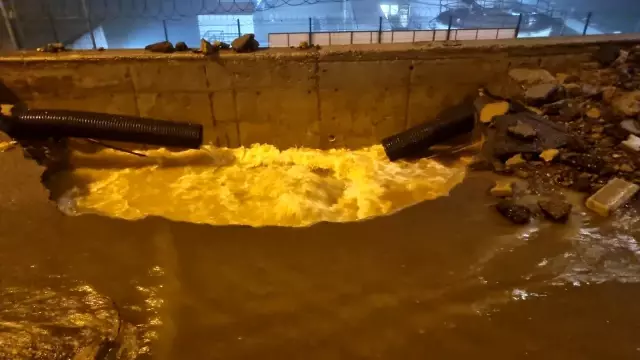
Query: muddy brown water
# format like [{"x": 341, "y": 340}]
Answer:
[{"x": 447, "y": 278}]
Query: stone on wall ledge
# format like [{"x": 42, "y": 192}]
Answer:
[{"x": 425, "y": 50}]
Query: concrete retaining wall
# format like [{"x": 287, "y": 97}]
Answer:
[{"x": 341, "y": 96}]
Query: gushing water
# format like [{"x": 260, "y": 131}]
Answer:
[{"x": 256, "y": 186}]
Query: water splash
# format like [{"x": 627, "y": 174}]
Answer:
[{"x": 256, "y": 186}]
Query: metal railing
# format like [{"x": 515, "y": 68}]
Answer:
[{"x": 82, "y": 24}]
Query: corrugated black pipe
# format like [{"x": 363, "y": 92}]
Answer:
[
  {"x": 449, "y": 124},
  {"x": 29, "y": 124}
]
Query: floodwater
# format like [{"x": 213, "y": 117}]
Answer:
[{"x": 446, "y": 278}]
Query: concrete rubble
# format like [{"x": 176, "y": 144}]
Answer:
[{"x": 578, "y": 131}]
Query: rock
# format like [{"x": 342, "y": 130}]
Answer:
[
  {"x": 572, "y": 90},
  {"x": 576, "y": 144},
  {"x": 571, "y": 79},
  {"x": 622, "y": 58},
  {"x": 541, "y": 94},
  {"x": 627, "y": 103},
  {"x": 529, "y": 77},
  {"x": 181, "y": 46},
  {"x": 607, "y": 55},
  {"x": 54, "y": 48},
  {"x": 245, "y": 43},
  {"x": 221, "y": 45},
  {"x": 550, "y": 135},
  {"x": 549, "y": 154},
  {"x": 593, "y": 113},
  {"x": 481, "y": 165},
  {"x": 582, "y": 183},
  {"x": 555, "y": 209},
  {"x": 515, "y": 161},
  {"x": 632, "y": 143},
  {"x": 590, "y": 90},
  {"x": 206, "y": 48},
  {"x": 523, "y": 174},
  {"x": 517, "y": 214},
  {"x": 522, "y": 131},
  {"x": 616, "y": 132},
  {"x": 502, "y": 188},
  {"x": 161, "y": 47},
  {"x": 583, "y": 162},
  {"x": 612, "y": 196},
  {"x": 486, "y": 108},
  {"x": 101, "y": 48},
  {"x": 631, "y": 126},
  {"x": 626, "y": 168},
  {"x": 608, "y": 94},
  {"x": 304, "y": 45}
]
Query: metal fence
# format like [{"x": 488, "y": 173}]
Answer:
[
  {"x": 86, "y": 24},
  {"x": 387, "y": 37}
]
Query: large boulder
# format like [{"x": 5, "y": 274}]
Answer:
[{"x": 245, "y": 43}]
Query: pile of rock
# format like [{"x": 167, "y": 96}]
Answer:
[
  {"x": 579, "y": 130},
  {"x": 244, "y": 43}
]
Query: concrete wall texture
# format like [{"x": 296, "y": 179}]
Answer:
[{"x": 334, "y": 97}]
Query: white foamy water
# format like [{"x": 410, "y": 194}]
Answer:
[{"x": 257, "y": 186}]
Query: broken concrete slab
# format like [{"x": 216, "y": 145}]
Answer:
[
  {"x": 522, "y": 131},
  {"x": 549, "y": 135},
  {"x": 549, "y": 154},
  {"x": 502, "y": 188},
  {"x": 541, "y": 94},
  {"x": 486, "y": 108},
  {"x": 514, "y": 161},
  {"x": 555, "y": 209},
  {"x": 612, "y": 196}
]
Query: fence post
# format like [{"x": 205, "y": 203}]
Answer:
[
  {"x": 166, "y": 32},
  {"x": 7, "y": 23},
  {"x": 449, "y": 27},
  {"x": 239, "y": 31},
  {"x": 586, "y": 23},
  {"x": 87, "y": 15},
  {"x": 518, "y": 26},
  {"x": 310, "y": 31},
  {"x": 380, "y": 31},
  {"x": 47, "y": 9}
]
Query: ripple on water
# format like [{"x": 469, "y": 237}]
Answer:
[{"x": 256, "y": 186}]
